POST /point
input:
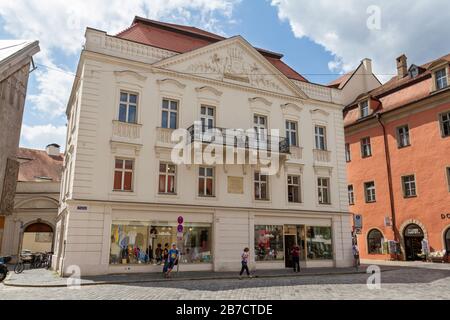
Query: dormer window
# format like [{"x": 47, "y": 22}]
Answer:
[
  {"x": 441, "y": 79},
  {"x": 364, "y": 109}
]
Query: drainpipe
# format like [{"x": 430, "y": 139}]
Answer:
[{"x": 389, "y": 174}]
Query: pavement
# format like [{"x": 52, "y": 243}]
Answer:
[
  {"x": 47, "y": 278},
  {"x": 395, "y": 283}
]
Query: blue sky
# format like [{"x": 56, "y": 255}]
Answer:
[{"x": 319, "y": 39}]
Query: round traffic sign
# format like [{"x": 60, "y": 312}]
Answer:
[
  {"x": 180, "y": 228},
  {"x": 180, "y": 219}
]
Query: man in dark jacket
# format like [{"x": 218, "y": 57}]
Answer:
[{"x": 295, "y": 252}]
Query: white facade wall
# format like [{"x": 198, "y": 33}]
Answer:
[{"x": 93, "y": 144}]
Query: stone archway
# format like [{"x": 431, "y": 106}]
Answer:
[
  {"x": 37, "y": 236},
  {"x": 402, "y": 228}
]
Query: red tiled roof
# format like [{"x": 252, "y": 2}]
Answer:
[
  {"x": 396, "y": 93},
  {"x": 182, "y": 39},
  {"x": 341, "y": 80},
  {"x": 37, "y": 165}
]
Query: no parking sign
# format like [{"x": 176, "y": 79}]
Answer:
[{"x": 180, "y": 228}]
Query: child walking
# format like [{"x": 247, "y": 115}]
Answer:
[{"x": 244, "y": 262}]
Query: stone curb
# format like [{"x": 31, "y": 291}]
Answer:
[{"x": 6, "y": 283}]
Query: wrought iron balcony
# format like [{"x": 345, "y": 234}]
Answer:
[{"x": 257, "y": 142}]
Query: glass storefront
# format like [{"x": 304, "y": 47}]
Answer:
[
  {"x": 319, "y": 243},
  {"x": 144, "y": 243},
  {"x": 274, "y": 243},
  {"x": 269, "y": 243}
]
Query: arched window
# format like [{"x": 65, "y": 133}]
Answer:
[
  {"x": 447, "y": 240},
  {"x": 375, "y": 241}
]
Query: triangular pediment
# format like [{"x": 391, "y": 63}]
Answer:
[{"x": 234, "y": 61}]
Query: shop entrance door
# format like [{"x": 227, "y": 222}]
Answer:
[
  {"x": 413, "y": 236},
  {"x": 289, "y": 242}
]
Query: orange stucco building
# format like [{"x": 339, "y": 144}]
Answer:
[{"x": 398, "y": 163}]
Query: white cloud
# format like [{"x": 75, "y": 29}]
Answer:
[
  {"x": 60, "y": 27},
  {"x": 39, "y": 136},
  {"x": 416, "y": 28}
]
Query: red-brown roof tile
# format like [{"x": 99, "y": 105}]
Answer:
[
  {"x": 182, "y": 39},
  {"x": 37, "y": 165}
]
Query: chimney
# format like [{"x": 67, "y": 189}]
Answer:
[
  {"x": 53, "y": 149},
  {"x": 402, "y": 66},
  {"x": 367, "y": 66}
]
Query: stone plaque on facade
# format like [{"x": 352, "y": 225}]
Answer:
[{"x": 236, "y": 185}]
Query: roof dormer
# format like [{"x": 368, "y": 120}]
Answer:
[{"x": 440, "y": 70}]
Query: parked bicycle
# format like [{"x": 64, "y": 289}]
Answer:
[
  {"x": 3, "y": 267},
  {"x": 35, "y": 261}
]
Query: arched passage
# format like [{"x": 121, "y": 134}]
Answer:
[
  {"x": 447, "y": 240},
  {"x": 413, "y": 236},
  {"x": 37, "y": 237}
]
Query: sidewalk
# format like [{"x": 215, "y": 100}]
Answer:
[
  {"x": 411, "y": 264},
  {"x": 46, "y": 278}
]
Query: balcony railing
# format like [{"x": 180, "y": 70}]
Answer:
[
  {"x": 296, "y": 153},
  {"x": 126, "y": 132},
  {"x": 258, "y": 142},
  {"x": 164, "y": 136},
  {"x": 322, "y": 155}
]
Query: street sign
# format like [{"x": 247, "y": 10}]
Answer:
[
  {"x": 358, "y": 230},
  {"x": 180, "y": 220},
  {"x": 357, "y": 221},
  {"x": 180, "y": 228}
]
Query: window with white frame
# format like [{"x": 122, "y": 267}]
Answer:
[
  {"x": 207, "y": 117},
  {"x": 369, "y": 190},
  {"x": 128, "y": 107},
  {"x": 403, "y": 136},
  {"x": 320, "y": 135},
  {"x": 206, "y": 182},
  {"x": 444, "y": 120},
  {"x": 123, "y": 174},
  {"x": 293, "y": 182},
  {"x": 167, "y": 178},
  {"x": 409, "y": 186},
  {"x": 291, "y": 133},
  {"x": 351, "y": 195},
  {"x": 364, "y": 108},
  {"x": 169, "y": 114},
  {"x": 323, "y": 189},
  {"x": 348, "y": 156},
  {"x": 366, "y": 149},
  {"x": 441, "y": 79},
  {"x": 261, "y": 183}
]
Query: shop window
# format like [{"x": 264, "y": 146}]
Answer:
[
  {"x": 269, "y": 243},
  {"x": 375, "y": 242},
  {"x": 143, "y": 243},
  {"x": 319, "y": 243}
]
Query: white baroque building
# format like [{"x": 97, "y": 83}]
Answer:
[{"x": 122, "y": 194}]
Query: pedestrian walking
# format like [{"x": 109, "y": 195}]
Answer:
[
  {"x": 244, "y": 263},
  {"x": 165, "y": 257},
  {"x": 355, "y": 250},
  {"x": 295, "y": 252},
  {"x": 173, "y": 256}
]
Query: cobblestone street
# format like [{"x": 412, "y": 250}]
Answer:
[{"x": 400, "y": 283}]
